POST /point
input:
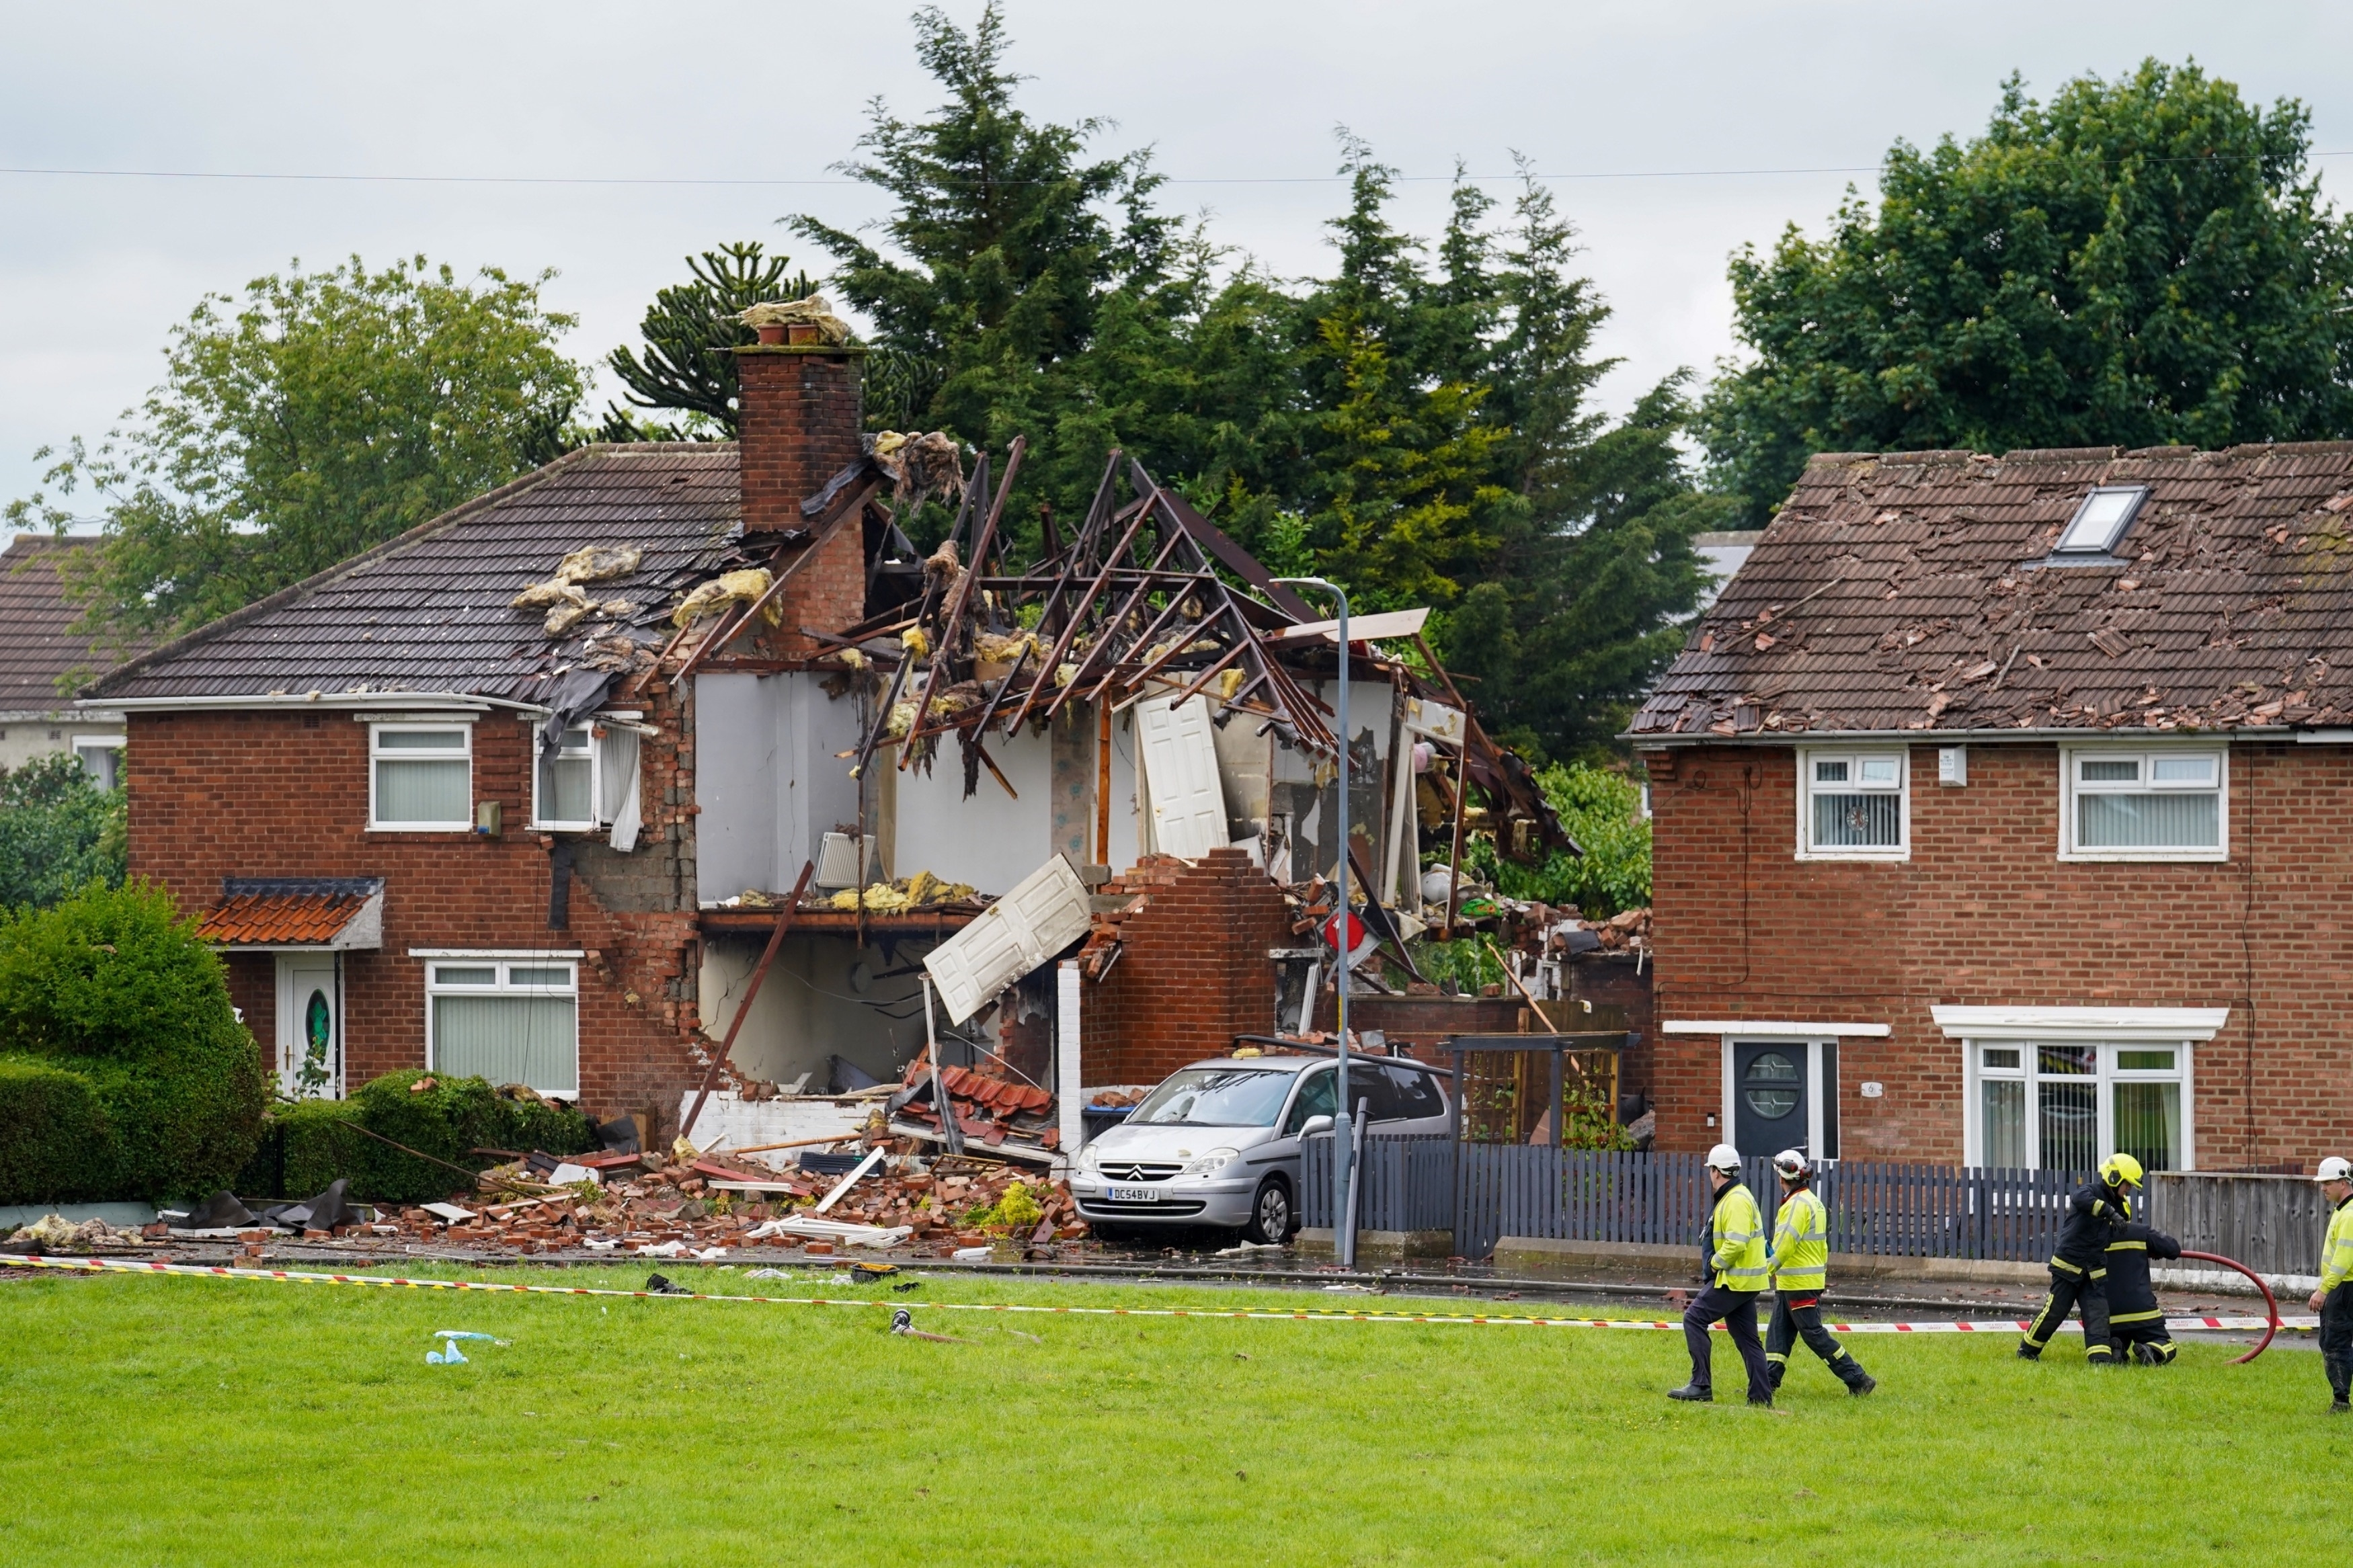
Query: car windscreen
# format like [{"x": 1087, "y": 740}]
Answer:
[{"x": 1215, "y": 1097}]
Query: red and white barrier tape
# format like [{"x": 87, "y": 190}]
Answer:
[{"x": 1259, "y": 1314}]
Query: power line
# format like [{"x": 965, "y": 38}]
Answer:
[{"x": 727, "y": 183}]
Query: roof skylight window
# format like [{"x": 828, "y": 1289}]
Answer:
[{"x": 2101, "y": 520}]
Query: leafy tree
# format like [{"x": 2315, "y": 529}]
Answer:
[
  {"x": 58, "y": 832},
  {"x": 114, "y": 988},
  {"x": 2140, "y": 262},
  {"x": 688, "y": 332},
  {"x": 1013, "y": 238},
  {"x": 325, "y": 413},
  {"x": 1601, "y": 809}
]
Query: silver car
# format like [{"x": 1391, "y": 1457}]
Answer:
[{"x": 1219, "y": 1142}]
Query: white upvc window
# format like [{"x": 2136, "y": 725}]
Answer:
[
  {"x": 421, "y": 777},
  {"x": 1855, "y": 806},
  {"x": 510, "y": 1020},
  {"x": 102, "y": 759},
  {"x": 2067, "y": 1104},
  {"x": 564, "y": 786},
  {"x": 2159, "y": 803}
]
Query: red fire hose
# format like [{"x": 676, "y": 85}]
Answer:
[{"x": 2271, "y": 1307}]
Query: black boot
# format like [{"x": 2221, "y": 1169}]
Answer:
[
  {"x": 1693, "y": 1393},
  {"x": 2340, "y": 1379},
  {"x": 2027, "y": 1352},
  {"x": 1858, "y": 1382}
]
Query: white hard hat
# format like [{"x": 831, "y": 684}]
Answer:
[
  {"x": 1724, "y": 1157},
  {"x": 2335, "y": 1168},
  {"x": 1791, "y": 1162}
]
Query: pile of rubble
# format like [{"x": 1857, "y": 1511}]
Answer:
[{"x": 990, "y": 1111}]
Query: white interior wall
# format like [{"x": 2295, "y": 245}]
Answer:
[
  {"x": 808, "y": 1009},
  {"x": 766, "y": 778},
  {"x": 992, "y": 840}
]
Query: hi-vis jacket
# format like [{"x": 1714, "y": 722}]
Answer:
[
  {"x": 1738, "y": 1232},
  {"x": 2337, "y": 1249},
  {"x": 1801, "y": 1245}
]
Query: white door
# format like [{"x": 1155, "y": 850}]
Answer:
[
  {"x": 310, "y": 1026},
  {"x": 1180, "y": 765}
]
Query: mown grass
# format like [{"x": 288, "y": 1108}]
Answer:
[{"x": 187, "y": 1421}]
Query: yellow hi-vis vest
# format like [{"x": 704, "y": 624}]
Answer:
[
  {"x": 1739, "y": 1257},
  {"x": 1801, "y": 1245},
  {"x": 2337, "y": 1247}
]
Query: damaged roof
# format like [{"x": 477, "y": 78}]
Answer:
[
  {"x": 38, "y": 643},
  {"x": 432, "y": 611},
  {"x": 1920, "y": 591}
]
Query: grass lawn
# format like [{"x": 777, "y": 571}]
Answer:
[{"x": 162, "y": 1420}]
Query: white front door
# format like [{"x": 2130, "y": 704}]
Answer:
[
  {"x": 310, "y": 1026},
  {"x": 1181, "y": 768}
]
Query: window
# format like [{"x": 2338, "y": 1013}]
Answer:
[
  {"x": 1317, "y": 1093},
  {"x": 1853, "y": 807},
  {"x": 2143, "y": 805},
  {"x": 591, "y": 781},
  {"x": 1413, "y": 1095},
  {"x": 507, "y": 1020},
  {"x": 2100, "y": 520},
  {"x": 566, "y": 796},
  {"x": 2066, "y": 1106},
  {"x": 422, "y": 777},
  {"x": 102, "y": 759},
  {"x": 1215, "y": 1097}
]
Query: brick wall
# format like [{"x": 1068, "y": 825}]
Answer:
[
  {"x": 1192, "y": 971},
  {"x": 285, "y": 794},
  {"x": 799, "y": 424},
  {"x": 1983, "y": 913}
]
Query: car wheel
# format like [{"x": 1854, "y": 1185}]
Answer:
[{"x": 1270, "y": 1220}]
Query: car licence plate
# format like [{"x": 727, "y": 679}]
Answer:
[{"x": 1132, "y": 1194}]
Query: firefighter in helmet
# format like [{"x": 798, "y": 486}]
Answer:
[{"x": 2079, "y": 1265}]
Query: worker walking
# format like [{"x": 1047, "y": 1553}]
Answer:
[
  {"x": 2135, "y": 1321},
  {"x": 2334, "y": 1300},
  {"x": 1734, "y": 1251},
  {"x": 2079, "y": 1266},
  {"x": 1800, "y": 1263}
]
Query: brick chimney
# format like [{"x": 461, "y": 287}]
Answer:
[{"x": 799, "y": 415}]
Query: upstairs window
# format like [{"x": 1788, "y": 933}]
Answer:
[
  {"x": 1854, "y": 805},
  {"x": 2144, "y": 805},
  {"x": 2100, "y": 520},
  {"x": 421, "y": 777},
  {"x": 566, "y": 796}
]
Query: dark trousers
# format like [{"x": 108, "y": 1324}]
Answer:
[
  {"x": 2148, "y": 1341},
  {"x": 1800, "y": 1318},
  {"x": 2337, "y": 1339},
  {"x": 2070, "y": 1292},
  {"x": 1736, "y": 1311}
]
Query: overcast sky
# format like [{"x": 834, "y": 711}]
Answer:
[{"x": 1668, "y": 129}]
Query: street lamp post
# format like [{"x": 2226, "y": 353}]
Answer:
[{"x": 1343, "y": 1125}]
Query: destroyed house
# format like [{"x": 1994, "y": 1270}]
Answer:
[
  {"x": 529, "y": 790},
  {"x": 2003, "y": 816}
]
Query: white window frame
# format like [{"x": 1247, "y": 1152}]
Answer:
[
  {"x": 504, "y": 964},
  {"x": 113, "y": 742},
  {"x": 1901, "y": 849},
  {"x": 544, "y": 824},
  {"x": 2106, "y": 1076},
  {"x": 2071, "y": 759},
  {"x": 464, "y": 725},
  {"x": 2137, "y": 497}
]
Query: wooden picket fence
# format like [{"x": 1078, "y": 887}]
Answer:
[{"x": 1482, "y": 1192}]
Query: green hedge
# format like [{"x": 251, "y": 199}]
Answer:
[
  {"x": 306, "y": 1145},
  {"x": 55, "y": 1146},
  {"x": 113, "y": 988}
]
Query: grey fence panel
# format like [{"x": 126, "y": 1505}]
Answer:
[
  {"x": 2271, "y": 1223},
  {"x": 1407, "y": 1183}
]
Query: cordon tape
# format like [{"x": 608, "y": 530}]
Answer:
[{"x": 1257, "y": 1314}]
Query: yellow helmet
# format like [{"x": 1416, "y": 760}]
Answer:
[{"x": 2120, "y": 1171}]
